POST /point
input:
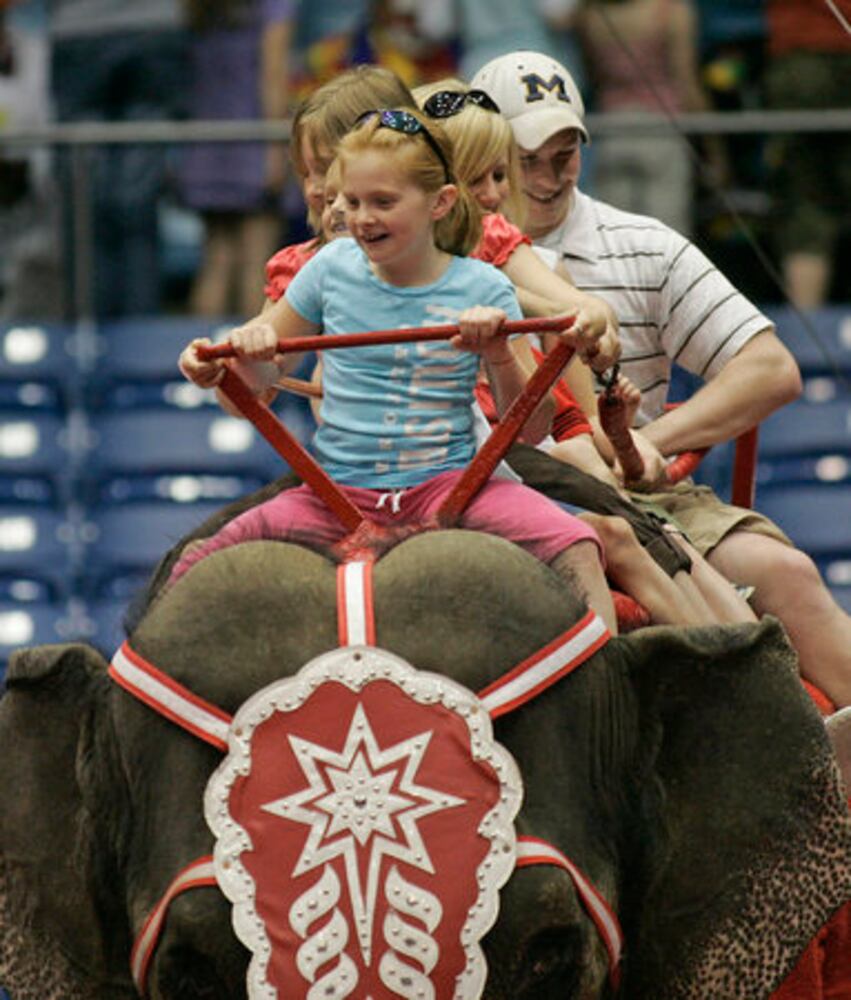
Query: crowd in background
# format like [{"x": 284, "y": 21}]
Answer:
[{"x": 188, "y": 227}]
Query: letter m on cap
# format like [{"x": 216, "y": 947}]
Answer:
[{"x": 536, "y": 85}]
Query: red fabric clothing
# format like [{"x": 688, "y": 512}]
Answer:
[
  {"x": 285, "y": 265},
  {"x": 802, "y": 25},
  {"x": 617, "y": 85},
  {"x": 823, "y": 971},
  {"x": 568, "y": 421},
  {"x": 500, "y": 238},
  {"x": 510, "y": 510}
]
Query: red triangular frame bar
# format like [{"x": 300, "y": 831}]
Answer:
[{"x": 477, "y": 472}]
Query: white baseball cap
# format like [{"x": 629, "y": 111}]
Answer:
[{"x": 535, "y": 93}]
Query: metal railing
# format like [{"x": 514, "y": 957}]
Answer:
[
  {"x": 80, "y": 139},
  {"x": 177, "y": 132}
]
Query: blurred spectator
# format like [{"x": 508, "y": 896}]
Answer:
[
  {"x": 403, "y": 38},
  {"x": 29, "y": 266},
  {"x": 732, "y": 37},
  {"x": 114, "y": 60},
  {"x": 487, "y": 28},
  {"x": 641, "y": 57},
  {"x": 809, "y": 67},
  {"x": 327, "y": 37},
  {"x": 239, "y": 58}
]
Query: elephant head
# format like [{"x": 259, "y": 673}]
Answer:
[{"x": 682, "y": 770}]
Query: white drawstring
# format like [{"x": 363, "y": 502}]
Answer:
[{"x": 395, "y": 498}]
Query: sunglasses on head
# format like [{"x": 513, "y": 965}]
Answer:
[
  {"x": 446, "y": 103},
  {"x": 403, "y": 121}
]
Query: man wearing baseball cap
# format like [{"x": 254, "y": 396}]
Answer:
[{"x": 673, "y": 306}]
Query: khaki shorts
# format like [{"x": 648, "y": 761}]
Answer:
[{"x": 703, "y": 517}]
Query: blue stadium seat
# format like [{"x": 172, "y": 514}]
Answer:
[
  {"x": 163, "y": 442},
  {"x": 831, "y": 329},
  {"x": 125, "y": 542},
  {"x": 32, "y": 443},
  {"x": 124, "y": 545},
  {"x": 107, "y": 617},
  {"x": 842, "y": 596},
  {"x": 137, "y": 363},
  {"x": 31, "y": 395},
  {"x": 204, "y": 487},
  {"x": 806, "y": 442},
  {"x": 35, "y": 459},
  {"x": 154, "y": 441},
  {"x": 146, "y": 348},
  {"x": 806, "y": 428},
  {"x": 42, "y": 354},
  {"x": 36, "y": 543},
  {"x": 816, "y": 517},
  {"x": 32, "y": 624}
]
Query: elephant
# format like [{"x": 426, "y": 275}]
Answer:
[{"x": 684, "y": 770}]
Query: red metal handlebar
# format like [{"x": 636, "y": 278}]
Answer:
[
  {"x": 684, "y": 464},
  {"x": 445, "y": 331},
  {"x": 476, "y": 474}
]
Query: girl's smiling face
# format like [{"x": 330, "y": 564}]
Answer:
[
  {"x": 389, "y": 215},
  {"x": 492, "y": 187}
]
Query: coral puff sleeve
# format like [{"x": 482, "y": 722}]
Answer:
[
  {"x": 500, "y": 238},
  {"x": 285, "y": 265}
]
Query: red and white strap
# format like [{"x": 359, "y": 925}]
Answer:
[
  {"x": 200, "y": 872},
  {"x": 543, "y": 669},
  {"x": 532, "y": 851},
  {"x": 171, "y": 699},
  {"x": 355, "y": 614},
  {"x": 357, "y": 627}
]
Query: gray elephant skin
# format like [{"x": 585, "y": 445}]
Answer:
[{"x": 684, "y": 770}]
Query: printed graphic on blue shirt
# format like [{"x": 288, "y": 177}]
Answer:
[{"x": 397, "y": 414}]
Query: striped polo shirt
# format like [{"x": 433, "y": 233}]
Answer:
[{"x": 673, "y": 304}]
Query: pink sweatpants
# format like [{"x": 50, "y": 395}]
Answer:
[{"x": 503, "y": 508}]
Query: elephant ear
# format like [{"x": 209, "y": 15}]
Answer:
[
  {"x": 756, "y": 853},
  {"x": 51, "y": 923}
]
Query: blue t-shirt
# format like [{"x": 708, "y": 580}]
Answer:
[{"x": 397, "y": 414}]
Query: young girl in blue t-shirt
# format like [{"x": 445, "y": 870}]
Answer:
[{"x": 396, "y": 426}]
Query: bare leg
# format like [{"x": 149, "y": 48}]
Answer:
[
  {"x": 634, "y": 571},
  {"x": 838, "y": 728},
  {"x": 789, "y": 586},
  {"x": 807, "y": 278},
  {"x": 715, "y": 590},
  {"x": 581, "y": 452},
  {"x": 580, "y": 565},
  {"x": 211, "y": 291},
  {"x": 258, "y": 241}
]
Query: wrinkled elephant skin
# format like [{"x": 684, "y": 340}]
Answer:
[{"x": 684, "y": 771}]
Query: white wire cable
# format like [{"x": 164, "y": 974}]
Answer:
[{"x": 837, "y": 13}]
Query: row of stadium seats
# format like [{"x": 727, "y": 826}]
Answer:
[
  {"x": 107, "y": 456},
  {"x": 804, "y": 468},
  {"x": 803, "y": 474}
]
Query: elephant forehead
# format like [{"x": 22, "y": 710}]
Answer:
[
  {"x": 240, "y": 619},
  {"x": 461, "y": 603}
]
